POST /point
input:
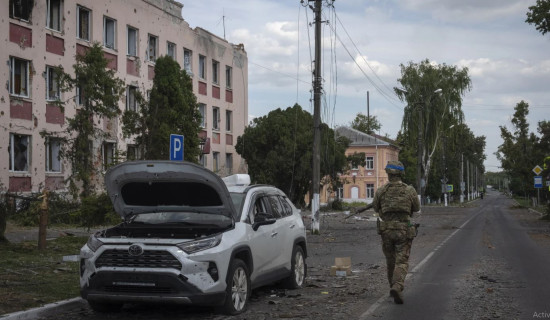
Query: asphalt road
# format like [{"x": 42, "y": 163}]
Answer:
[
  {"x": 474, "y": 262},
  {"x": 487, "y": 268}
]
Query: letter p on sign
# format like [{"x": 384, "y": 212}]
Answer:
[{"x": 176, "y": 147}]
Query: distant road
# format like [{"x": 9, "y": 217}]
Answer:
[{"x": 488, "y": 268}]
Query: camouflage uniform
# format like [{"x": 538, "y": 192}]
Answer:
[{"x": 395, "y": 202}]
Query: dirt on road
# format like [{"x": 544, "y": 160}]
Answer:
[{"x": 326, "y": 296}]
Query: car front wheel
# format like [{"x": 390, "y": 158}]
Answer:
[
  {"x": 298, "y": 272},
  {"x": 238, "y": 288}
]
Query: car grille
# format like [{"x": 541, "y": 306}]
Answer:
[
  {"x": 138, "y": 289},
  {"x": 149, "y": 259}
]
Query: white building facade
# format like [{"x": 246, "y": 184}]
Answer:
[{"x": 39, "y": 35}]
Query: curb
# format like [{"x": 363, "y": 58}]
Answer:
[{"x": 35, "y": 313}]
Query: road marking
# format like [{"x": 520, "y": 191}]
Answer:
[{"x": 378, "y": 302}]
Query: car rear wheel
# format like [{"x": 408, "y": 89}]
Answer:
[
  {"x": 298, "y": 272},
  {"x": 238, "y": 288}
]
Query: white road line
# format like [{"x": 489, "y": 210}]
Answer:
[{"x": 375, "y": 305}]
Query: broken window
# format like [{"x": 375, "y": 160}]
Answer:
[
  {"x": 215, "y": 71},
  {"x": 202, "y": 110},
  {"x": 21, "y": 9},
  {"x": 187, "y": 61},
  {"x": 19, "y": 77},
  {"x": 152, "y": 48},
  {"x": 109, "y": 149},
  {"x": 19, "y": 152},
  {"x": 53, "y": 20},
  {"x": 228, "y": 120},
  {"x": 132, "y": 152},
  {"x": 171, "y": 50},
  {"x": 83, "y": 23},
  {"x": 228, "y": 77},
  {"x": 215, "y": 161},
  {"x": 202, "y": 67},
  {"x": 131, "y": 104},
  {"x": 53, "y": 159},
  {"x": 229, "y": 163},
  {"x": 52, "y": 84},
  {"x": 215, "y": 118},
  {"x": 79, "y": 96}
]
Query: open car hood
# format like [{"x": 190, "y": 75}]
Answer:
[{"x": 166, "y": 186}]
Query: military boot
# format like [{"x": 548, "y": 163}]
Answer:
[{"x": 396, "y": 294}]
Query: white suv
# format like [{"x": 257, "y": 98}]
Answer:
[{"x": 190, "y": 237}]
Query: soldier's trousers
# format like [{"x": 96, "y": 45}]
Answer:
[{"x": 397, "y": 248}]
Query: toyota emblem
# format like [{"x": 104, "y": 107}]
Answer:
[{"x": 135, "y": 250}]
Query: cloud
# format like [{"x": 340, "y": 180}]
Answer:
[{"x": 467, "y": 10}]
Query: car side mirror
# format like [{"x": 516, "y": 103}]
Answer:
[{"x": 263, "y": 219}]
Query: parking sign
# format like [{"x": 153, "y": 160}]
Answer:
[
  {"x": 176, "y": 147},
  {"x": 538, "y": 181}
]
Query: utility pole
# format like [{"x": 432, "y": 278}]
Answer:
[
  {"x": 462, "y": 178},
  {"x": 419, "y": 156},
  {"x": 316, "y": 179}
]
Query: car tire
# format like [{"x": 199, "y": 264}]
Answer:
[
  {"x": 238, "y": 288},
  {"x": 297, "y": 276},
  {"x": 105, "y": 307}
]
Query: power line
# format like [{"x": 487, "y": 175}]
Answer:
[
  {"x": 365, "y": 60},
  {"x": 281, "y": 73}
]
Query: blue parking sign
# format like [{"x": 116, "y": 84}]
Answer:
[
  {"x": 538, "y": 181},
  {"x": 176, "y": 147}
]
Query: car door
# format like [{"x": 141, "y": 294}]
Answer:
[
  {"x": 282, "y": 230},
  {"x": 264, "y": 241}
]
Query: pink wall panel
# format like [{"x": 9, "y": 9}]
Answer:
[
  {"x": 54, "y": 114},
  {"x": 20, "y": 184},
  {"x": 21, "y": 35},
  {"x": 21, "y": 109},
  {"x": 55, "y": 45},
  {"x": 216, "y": 92}
]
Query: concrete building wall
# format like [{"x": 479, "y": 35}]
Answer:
[{"x": 48, "y": 38}]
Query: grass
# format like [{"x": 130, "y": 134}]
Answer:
[{"x": 30, "y": 278}]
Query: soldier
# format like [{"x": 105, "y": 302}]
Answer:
[{"x": 395, "y": 202}]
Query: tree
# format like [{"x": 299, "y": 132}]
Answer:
[
  {"x": 171, "y": 109},
  {"x": 99, "y": 94},
  {"x": 366, "y": 124},
  {"x": 277, "y": 149},
  {"x": 518, "y": 152},
  {"x": 434, "y": 98},
  {"x": 539, "y": 15}
]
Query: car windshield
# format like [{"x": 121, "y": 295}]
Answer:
[
  {"x": 238, "y": 198},
  {"x": 189, "y": 218}
]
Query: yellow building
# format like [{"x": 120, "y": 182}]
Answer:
[{"x": 360, "y": 184}]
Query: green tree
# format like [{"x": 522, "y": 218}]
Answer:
[
  {"x": 518, "y": 154},
  {"x": 100, "y": 92},
  {"x": 434, "y": 98},
  {"x": 172, "y": 109},
  {"x": 365, "y": 124},
  {"x": 278, "y": 151},
  {"x": 539, "y": 15}
]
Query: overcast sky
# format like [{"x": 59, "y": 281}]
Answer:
[{"x": 508, "y": 59}]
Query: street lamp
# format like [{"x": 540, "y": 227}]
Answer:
[{"x": 419, "y": 150}]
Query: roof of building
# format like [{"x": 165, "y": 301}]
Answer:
[{"x": 358, "y": 138}]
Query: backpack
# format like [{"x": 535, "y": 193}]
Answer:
[{"x": 396, "y": 198}]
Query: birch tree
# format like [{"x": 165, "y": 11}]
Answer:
[{"x": 433, "y": 94}]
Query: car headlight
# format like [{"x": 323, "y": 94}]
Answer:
[
  {"x": 201, "y": 244},
  {"x": 94, "y": 243}
]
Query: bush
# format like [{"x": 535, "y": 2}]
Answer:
[{"x": 97, "y": 210}]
